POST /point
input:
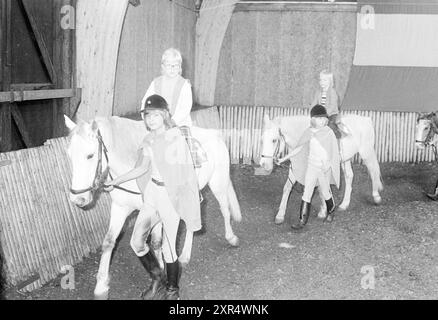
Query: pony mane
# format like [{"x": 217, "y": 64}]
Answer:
[
  {"x": 120, "y": 135},
  {"x": 427, "y": 116}
]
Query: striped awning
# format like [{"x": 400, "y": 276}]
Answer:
[{"x": 395, "y": 66}]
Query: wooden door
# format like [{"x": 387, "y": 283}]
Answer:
[{"x": 37, "y": 74}]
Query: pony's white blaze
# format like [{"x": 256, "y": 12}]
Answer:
[
  {"x": 269, "y": 140},
  {"x": 360, "y": 141},
  {"x": 83, "y": 153},
  {"x": 422, "y": 129},
  {"x": 122, "y": 138}
]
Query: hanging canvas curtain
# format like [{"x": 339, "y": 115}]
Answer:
[{"x": 395, "y": 67}]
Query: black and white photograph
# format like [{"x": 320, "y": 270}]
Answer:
[{"x": 234, "y": 152}]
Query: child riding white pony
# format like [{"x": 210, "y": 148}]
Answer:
[
  {"x": 109, "y": 146},
  {"x": 283, "y": 131}
]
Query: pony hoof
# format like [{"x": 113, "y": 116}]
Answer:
[
  {"x": 377, "y": 199},
  {"x": 101, "y": 295},
  {"x": 279, "y": 220},
  {"x": 233, "y": 241},
  {"x": 184, "y": 261},
  {"x": 322, "y": 215}
]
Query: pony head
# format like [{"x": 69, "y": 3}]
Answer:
[
  {"x": 272, "y": 144},
  {"x": 425, "y": 129},
  {"x": 86, "y": 160}
]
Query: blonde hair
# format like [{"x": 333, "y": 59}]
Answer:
[
  {"x": 167, "y": 119},
  {"x": 171, "y": 54},
  {"x": 327, "y": 74}
]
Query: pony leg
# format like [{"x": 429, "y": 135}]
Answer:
[
  {"x": 279, "y": 218},
  {"x": 322, "y": 213},
  {"x": 376, "y": 179},
  {"x": 186, "y": 253},
  {"x": 348, "y": 174},
  {"x": 220, "y": 191},
  {"x": 156, "y": 242},
  {"x": 117, "y": 220}
]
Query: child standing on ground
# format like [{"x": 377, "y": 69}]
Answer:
[
  {"x": 319, "y": 148},
  {"x": 168, "y": 181}
]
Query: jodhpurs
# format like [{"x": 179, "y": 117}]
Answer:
[
  {"x": 157, "y": 207},
  {"x": 315, "y": 175}
]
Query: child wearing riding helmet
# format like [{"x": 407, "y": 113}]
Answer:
[
  {"x": 176, "y": 90},
  {"x": 318, "y": 153},
  {"x": 327, "y": 97},
  {"x": 167, "y": 179}
]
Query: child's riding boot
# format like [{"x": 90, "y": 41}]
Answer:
[
  {"x": 330, "y": 210},
  {"x": 156, "y": 289},
  {"x": 172, "y": 289},
  {"x": 304, "y": 215}
]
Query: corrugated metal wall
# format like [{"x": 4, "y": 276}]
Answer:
[
  {"x": 41, "y": 230},
  {"x": 274, "y": 57},
  {"x": 394, "y": 132},
  {"x": 148, "y": 30}
]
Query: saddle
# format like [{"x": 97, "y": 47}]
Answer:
[{"x": 199, "y": 156}]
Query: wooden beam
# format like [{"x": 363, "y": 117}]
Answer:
[
  {"x": 26, "y": 95},
  {"x": 295, "y": 6},
  {"x": 31, "y": 86},
  {"x": 5, "y": 127},
  {"x": 41, "y": 43},
  {"x": 6, "y": 45},
  {"x": 19, "y": 121}
]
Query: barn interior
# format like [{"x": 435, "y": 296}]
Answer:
[{"x": 244, "y": 59}]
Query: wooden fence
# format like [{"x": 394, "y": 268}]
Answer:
[
  {"x": 394, "y": 132},
  {"x": 41, "y": 230}
]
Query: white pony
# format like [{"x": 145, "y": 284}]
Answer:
[
  {"x": 288, "y": 130},
  {"x": 426, "y": 131},
  {"x": 109, "y": 146}
]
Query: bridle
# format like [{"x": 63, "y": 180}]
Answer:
[
  {"x": 277, "y": 146},
  {"x": 432, "y": 131},
  {"x": 100, "y": 175}
]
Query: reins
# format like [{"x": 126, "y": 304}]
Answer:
[{"x": 101, "y": 176}]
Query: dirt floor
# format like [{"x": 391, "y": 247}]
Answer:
[{"x": 398, "y": 239}]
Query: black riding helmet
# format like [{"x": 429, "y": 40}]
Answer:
[
  {"x": 155, "y": 102},
  {"x": 318, "y": 111}
]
